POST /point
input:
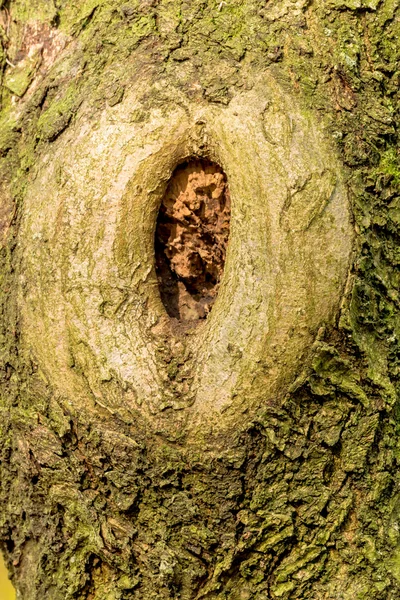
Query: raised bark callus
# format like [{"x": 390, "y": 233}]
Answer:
[{"x": 253, "y": 455}]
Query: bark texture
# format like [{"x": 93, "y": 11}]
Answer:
[{"x": 255, "y": 456}]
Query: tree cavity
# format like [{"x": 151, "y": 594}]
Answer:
[{"x": 191, "y": 239}]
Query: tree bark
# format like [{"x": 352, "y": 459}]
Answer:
[{"x": 252, "y": 454}]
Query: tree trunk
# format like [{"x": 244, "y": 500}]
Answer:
[{"x": 234, "y": 434}]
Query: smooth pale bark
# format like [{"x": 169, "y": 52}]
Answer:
[{"x": 254, "y": 456}]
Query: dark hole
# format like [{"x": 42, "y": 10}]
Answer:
[{"x": 191, "y": 239}]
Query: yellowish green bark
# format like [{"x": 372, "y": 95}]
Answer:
[
  {"x": 6, "y": 588},
  {"x": 258, "y": 457}
]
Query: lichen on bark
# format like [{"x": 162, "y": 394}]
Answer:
[{"x": 109, "y": 490}]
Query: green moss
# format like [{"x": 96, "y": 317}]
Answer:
[
  {"x": 335, "y": 372},
  {"x": 75, "y": 16},
  {"x": 355, "y": 4},
  {"x": 18, "y": 79},
  {"x": 8, "y": 133},
  {"x": 395, "y": 565},
  {"x": 389, "y": 166},
  {"x": 34, "y": 10},
  {"x": 283, "y": 589},
  {"x": 59, "y": 114},
  {"x": 290, "y": 567}
]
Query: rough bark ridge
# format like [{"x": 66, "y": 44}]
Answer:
[{"x": 302, "y": 499}]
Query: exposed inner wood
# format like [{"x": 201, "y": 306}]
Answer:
[{"x": 191, "y": 239}]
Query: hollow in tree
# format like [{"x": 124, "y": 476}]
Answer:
[{"x": 191, "y": 239}]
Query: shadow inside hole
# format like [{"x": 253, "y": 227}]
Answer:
[{"x": 191, "y": 238}]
